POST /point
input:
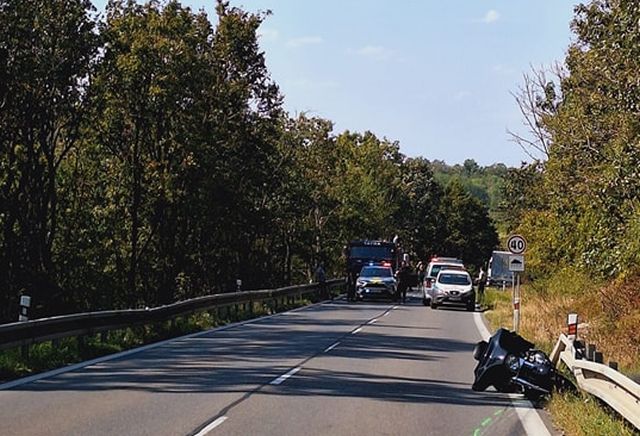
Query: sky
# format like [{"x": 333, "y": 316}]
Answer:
[{"x": 436, "y": 76}]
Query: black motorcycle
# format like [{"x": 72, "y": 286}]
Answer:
[{"x": 510, "y": 363}]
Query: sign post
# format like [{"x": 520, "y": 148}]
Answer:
[{"x": 517, "y": 245}]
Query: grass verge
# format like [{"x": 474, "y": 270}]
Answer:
[
  {"x": 16, "y": 363},
  {"x": 543, "y": 318}
]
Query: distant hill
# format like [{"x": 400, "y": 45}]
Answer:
[{"x": 484, "y": 183}]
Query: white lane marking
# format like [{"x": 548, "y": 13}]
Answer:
[
  {"x": 359, "y": 329},
  {"x": 395, "y": 307},
  {"x": 80, "y": 365},
  {"x": 373, "y": 321},
  {"x": 211, "y": 426},
  {"x": 528, "y": 415},
  {"x": 285, "y": 376},
  {"x": 386, "y": 314},
  {"x": 332, "y": 347},
  {"x": 484, "y": 331}
]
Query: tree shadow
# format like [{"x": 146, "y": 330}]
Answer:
[{"x": 245, "y": 359}]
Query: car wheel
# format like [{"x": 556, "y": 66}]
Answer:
[
  {"x": 425, "y": 302},
  {"x": 434, "y": 305},
  {"x": 471, "y": 307}
]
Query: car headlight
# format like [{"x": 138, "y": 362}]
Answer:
[
  {"x": 361, "y": 283},
  {"x": 513, "y": 363}
]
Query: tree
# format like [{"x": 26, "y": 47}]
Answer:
[
  {"x": 470, "y": 234},
  {"x": 46, "y": 51}
]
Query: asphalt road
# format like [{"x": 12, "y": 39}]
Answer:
[{"x": 331, "y": 369}]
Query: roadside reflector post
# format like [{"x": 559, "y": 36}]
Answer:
[
  {"x": 25, "y": 304},
  {"x": 23, "y": 316},
  {"x": 516, "y": 304},
  {"x": 572, "y": 326}
]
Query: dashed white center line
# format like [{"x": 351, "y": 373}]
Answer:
[
  {"x": 285, "y": 376},
  {"x": 211, "y": 426},
  {"x": 356, "y": 330},
  {"x": 332, "y": 347}
]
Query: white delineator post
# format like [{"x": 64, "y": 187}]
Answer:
[
  {"x": 516, "y": 305},
  {"x": 25, "y": 303},
  {"x": 572, "y": 326}
]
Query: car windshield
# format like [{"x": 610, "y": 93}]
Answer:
[
  {"x": 435, "y": 269},
  {"x": 375, "y": 272},
  {"x": 371, "y": 252},
  {"x": 454, "y": 279}
]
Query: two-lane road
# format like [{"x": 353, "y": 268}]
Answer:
[{"x": 335, "y": 368}]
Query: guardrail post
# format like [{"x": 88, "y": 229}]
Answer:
[
  {"x": 613, "y": 365},
  {"x": 598, "y": 357},
  {"x": 591, "y": 350},
  {"x": 24, "y": 351}
]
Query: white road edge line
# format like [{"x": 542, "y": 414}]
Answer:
[
  {"x": 332, "y": 347},
  {"x": 283, "y": 377},
  {"x": 108, "y": 357},
  {"x": 528, "y": 415},
  {"x": 211, "y": 426},
  {"x": 359, "y": 329}
]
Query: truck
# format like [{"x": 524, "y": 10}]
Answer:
[
  {"x": 360, "y": 253},
  {"x": 498, "y": 273}
]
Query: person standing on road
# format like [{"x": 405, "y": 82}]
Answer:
[
  {"x": 321, "y": 278},
  {"x": 404, "y": 276},
  {"x": 420, "y": 270},
  {"x": 482, "y": 279}
]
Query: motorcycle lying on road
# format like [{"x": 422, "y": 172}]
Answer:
[{"x": 510, "y": 363}]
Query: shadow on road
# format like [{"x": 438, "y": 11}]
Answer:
[{"x": 246, "y": 358}]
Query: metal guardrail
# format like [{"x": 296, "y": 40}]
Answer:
[
  {"x": 80, "y": 324},
  {"x": 602, "y": 381}
]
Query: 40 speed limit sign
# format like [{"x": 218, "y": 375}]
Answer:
[{"x": 516, "y": 244}]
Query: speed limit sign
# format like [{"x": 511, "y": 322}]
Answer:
[{"x": 517, "y": 244}]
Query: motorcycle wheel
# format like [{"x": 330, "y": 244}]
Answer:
[{"x": 505, "y": 387}]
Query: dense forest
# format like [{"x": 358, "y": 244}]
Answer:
[
  {"x": 145, "y": 157},
  {"x": 580, "y": 202}
]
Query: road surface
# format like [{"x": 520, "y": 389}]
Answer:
[{"x": 336, "y": 368}]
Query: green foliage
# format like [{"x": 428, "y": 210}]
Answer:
[
  {"x": 470, "y": 234},
  {"x": 484, "y": 183},
  {"x": 146, "y": 158},
  {"x": 591, "y": 182}
]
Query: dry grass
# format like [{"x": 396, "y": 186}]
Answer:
[{"x": 611, "y": 314}]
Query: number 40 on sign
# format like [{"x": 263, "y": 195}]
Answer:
[{"x": 516, "y": 244}]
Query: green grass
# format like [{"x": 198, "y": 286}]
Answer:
[{"x": 56, "y": 354}]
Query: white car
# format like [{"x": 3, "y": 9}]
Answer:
[
  {"x": 431, "y": 273},
  {"x": 453, "y": 286}
]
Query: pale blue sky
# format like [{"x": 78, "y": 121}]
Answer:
[{"x": 434, "y": 75}]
